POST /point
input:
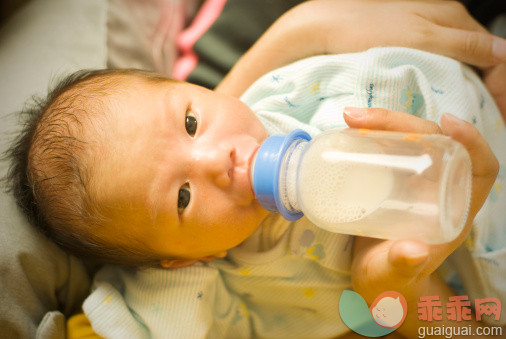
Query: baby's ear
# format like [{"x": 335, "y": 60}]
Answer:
[
  {"x": 177, "y": 263},
  {"x": 211, "y": 257}
]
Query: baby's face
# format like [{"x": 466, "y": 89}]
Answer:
[{"x": 176, "y": 176}]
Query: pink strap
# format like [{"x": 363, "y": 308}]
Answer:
[{"x": 188, "y": 60}]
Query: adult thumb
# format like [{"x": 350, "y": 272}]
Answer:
[
  {"x": 390, "y": 263},
  {"x": 407, "y": 258}
]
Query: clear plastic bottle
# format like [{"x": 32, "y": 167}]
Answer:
[{"x": 371, "y": 183}]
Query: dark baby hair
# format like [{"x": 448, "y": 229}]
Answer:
[{"x": 51, "y": 159}]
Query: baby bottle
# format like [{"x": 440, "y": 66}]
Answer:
[{"x": 378, "y": 184}]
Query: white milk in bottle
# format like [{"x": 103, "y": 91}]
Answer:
[{"x": 371, "y": 183}]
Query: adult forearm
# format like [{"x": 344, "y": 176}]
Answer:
[
  {"x": 344, "y": 26},
  {"x": 292, "y": 37}
]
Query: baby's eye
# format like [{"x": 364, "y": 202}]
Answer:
[
  {"x": 190, "y": 123},
  {"x": 183, "y": 198}
]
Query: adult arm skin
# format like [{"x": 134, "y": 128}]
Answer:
[
  {"x": 408, "y": 266},
  {"x": 344, "y": 26}
]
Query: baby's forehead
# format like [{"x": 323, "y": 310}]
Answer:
[
  {"x": 95, "y": 99},
  {"x": 138, "y": 106},
  {"x": 109, "y": 87}
]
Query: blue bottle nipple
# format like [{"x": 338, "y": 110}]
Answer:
[{"x": 266, "y": 167}]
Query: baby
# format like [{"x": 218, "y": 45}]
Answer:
[{"x": 131, "y": 168}]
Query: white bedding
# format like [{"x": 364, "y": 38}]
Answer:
[{"x": 39, "y": 283}]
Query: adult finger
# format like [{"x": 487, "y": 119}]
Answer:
[
  {"x": 450, "y": 30},
  {"x": 485, "y": 165},
  {"x": 484, "y": 161},
  {"x": 484, "y": 168},
  {"x": 494, "y": 79},
  {"x": 383, "y": 119},
  {"x": 450, "y": 14},
  {"x": 477, "y": 48}
]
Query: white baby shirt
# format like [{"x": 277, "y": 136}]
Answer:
[
  {"x": 411, "y": 81},
  {"x": 283, "y": 282},
  {"x": 286, "y": 279}
]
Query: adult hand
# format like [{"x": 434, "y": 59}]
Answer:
[
  {"x": 344, "y": 26},
  {"x": 408, "y": 266},
  {"x": 441, "y": 27}
]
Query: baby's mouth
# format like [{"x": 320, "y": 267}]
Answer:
[
  {"x": 250, "y": 164},
  {"x": 245, "y": 151}
]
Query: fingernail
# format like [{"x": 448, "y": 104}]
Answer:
[
  {"x": 499, "y": 49},
  {"x": 412, "y": 253},
  {"x": 452, "y": 118},
  {"x": 417, "y": 257},
  {"x": 354, "y": 112}
]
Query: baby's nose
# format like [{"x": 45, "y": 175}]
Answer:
[{"x": 216, "y": 163}]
